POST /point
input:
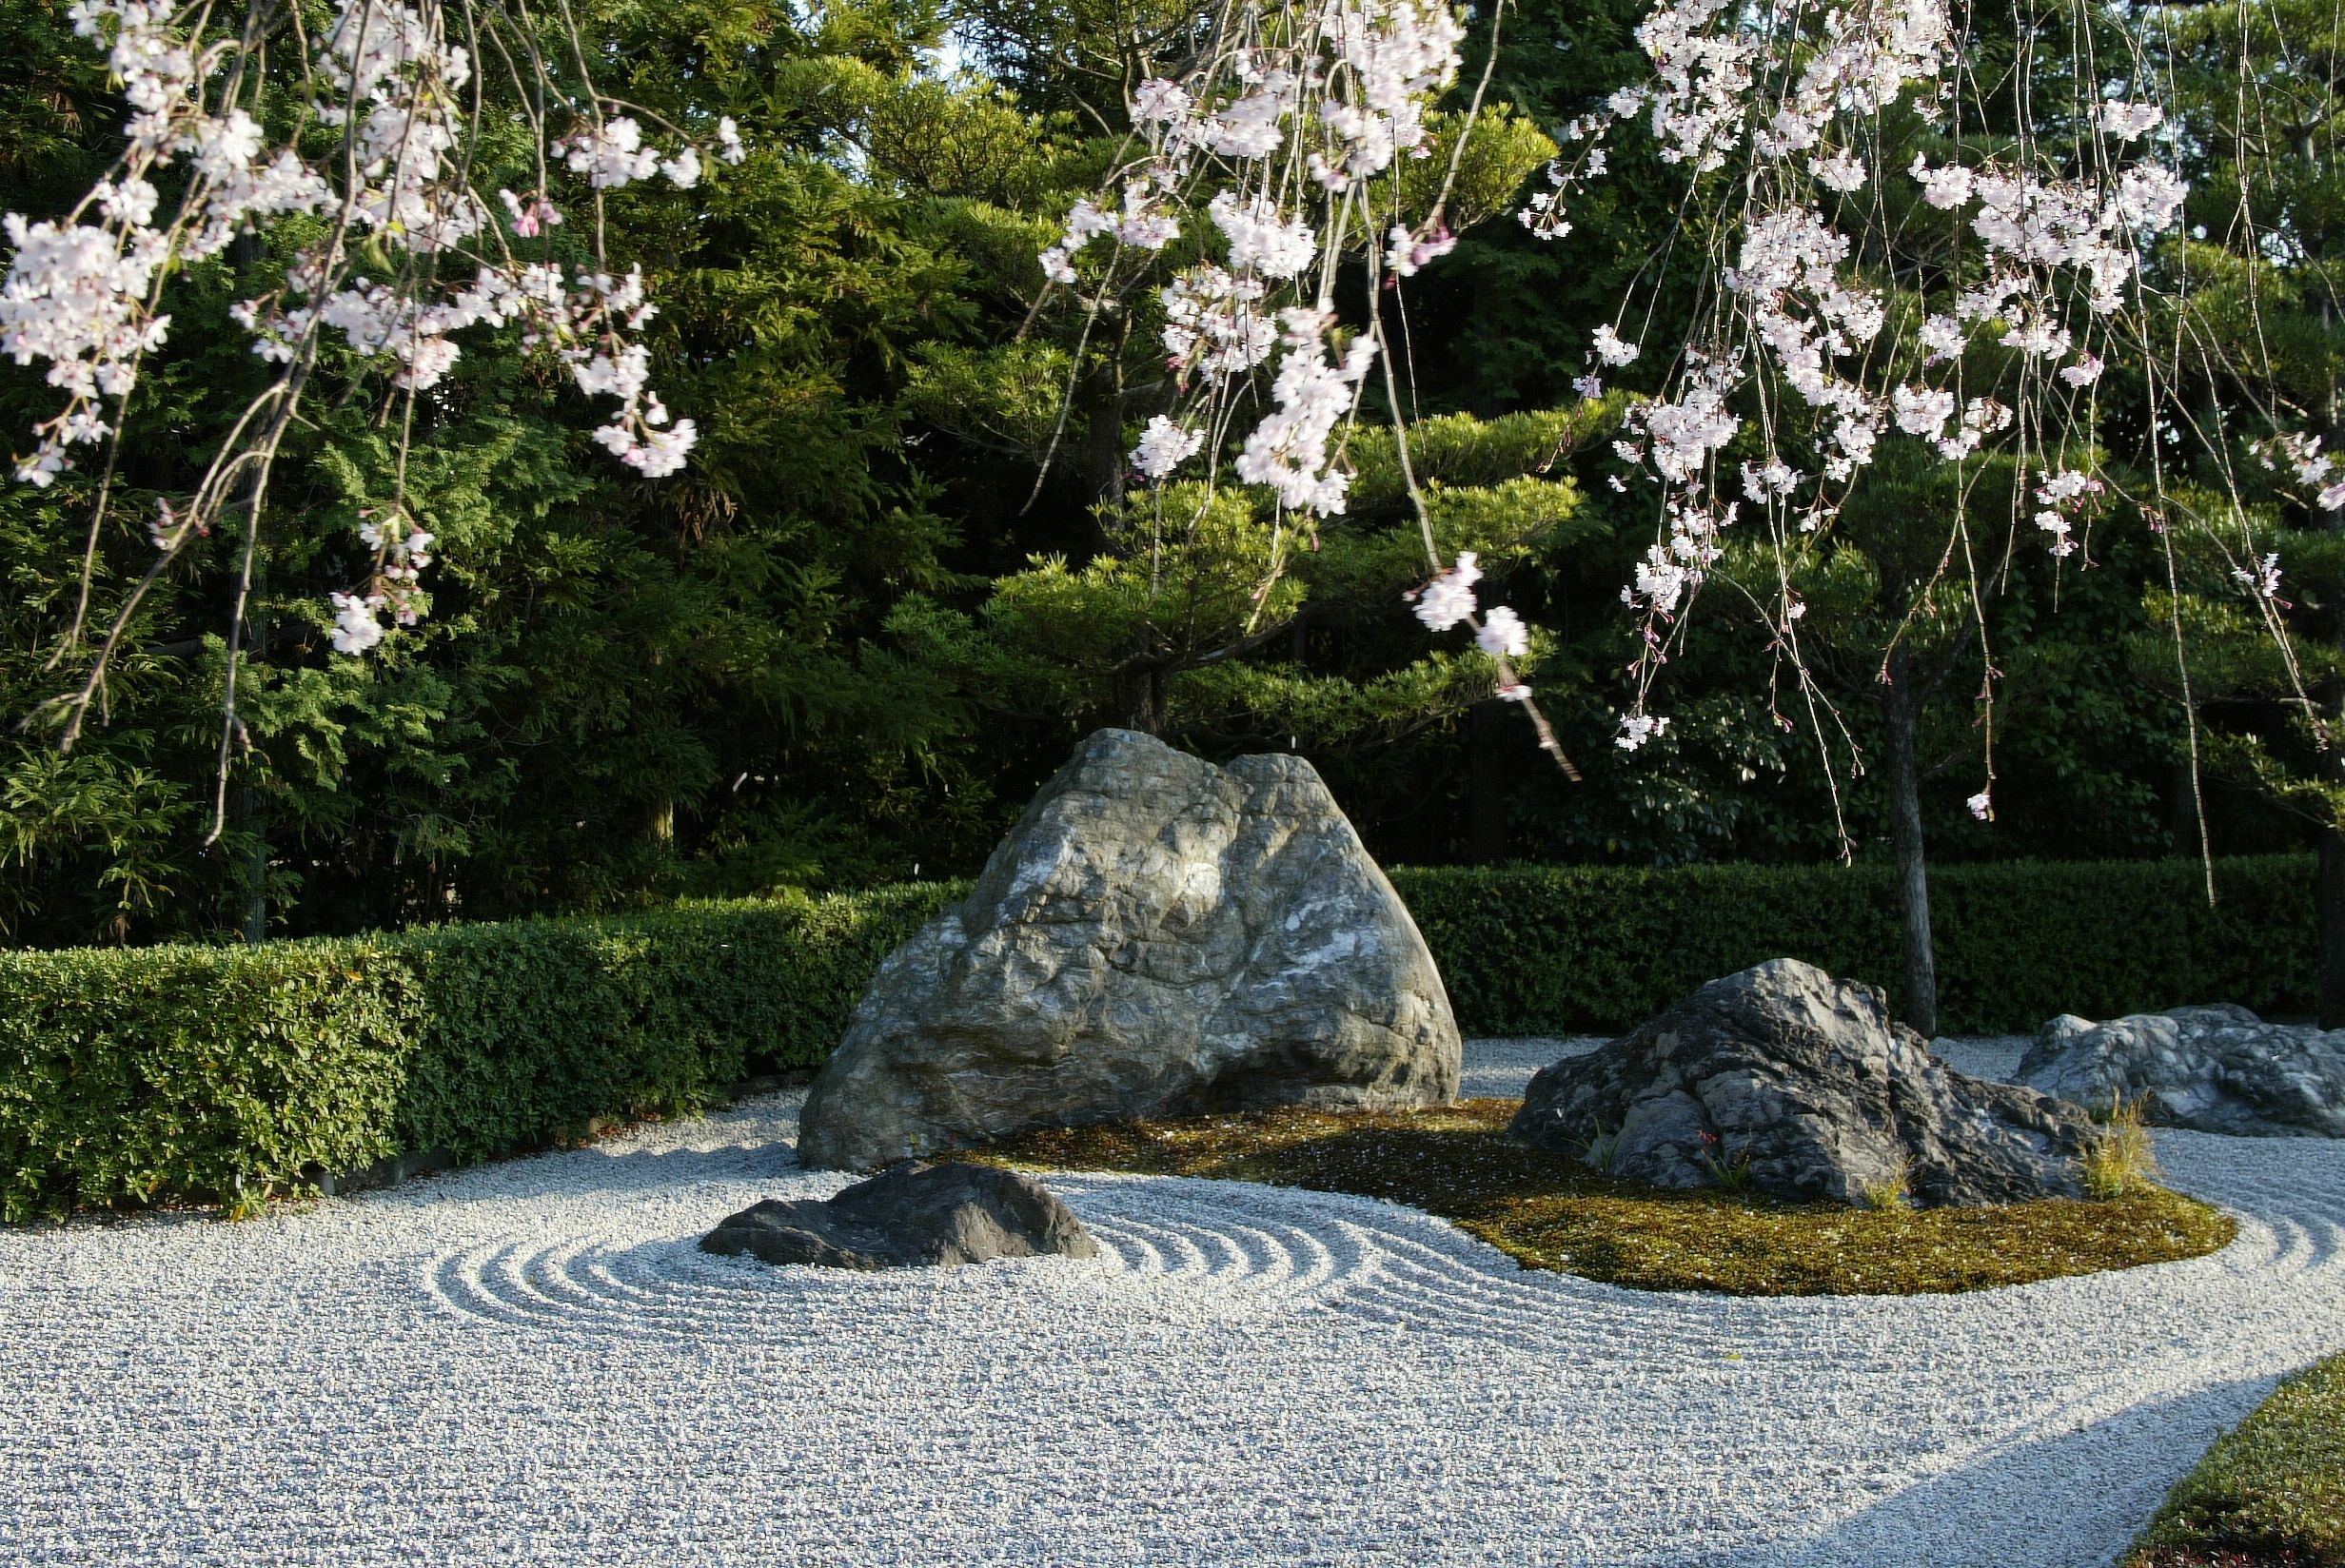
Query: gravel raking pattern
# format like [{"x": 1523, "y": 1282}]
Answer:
[{"x": 532, "y": 1363}]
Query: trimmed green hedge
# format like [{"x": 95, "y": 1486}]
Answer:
[
  {"x": 158, "y": 1073},
  {"x": 1529, "y": 949}
]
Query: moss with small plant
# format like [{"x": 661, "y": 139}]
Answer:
[
  {"x": 1553, "y": 1211},
  {"x": 2270, "y": 1494},
  {"x": 2122, "y": 1156}
]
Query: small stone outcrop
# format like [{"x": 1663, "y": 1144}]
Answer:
[
  {"x": 2216, "y": 1068},
  {"x": 910, "y": 1216},
  {"x": 1157, "y": 937},
  {"x": 1800, "y": 1085}
]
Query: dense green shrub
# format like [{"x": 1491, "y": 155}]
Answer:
[
  {"x": 149, "y": 1073},
  {"x": 1529, "y": 949}
]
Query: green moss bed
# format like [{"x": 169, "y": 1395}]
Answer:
[
  {"x": 1550, "y": 1211},
  {"x": 2269, "y": 1495}
]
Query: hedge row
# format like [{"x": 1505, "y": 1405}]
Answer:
[
  {"x": 1530, "y": 950},
  {"x": 157, "y": 1073}
]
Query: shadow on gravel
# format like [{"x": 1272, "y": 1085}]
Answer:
[
  {"x": 2072, "y": 1499},
  {"x": 579, "y": 1171}
]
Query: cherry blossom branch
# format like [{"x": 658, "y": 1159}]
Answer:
[{"x": 85, "y": 293}]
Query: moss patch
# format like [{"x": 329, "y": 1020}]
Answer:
[
  {"x": 2271, "y": 1494},
  {"x": 1550, "y": 1211}
]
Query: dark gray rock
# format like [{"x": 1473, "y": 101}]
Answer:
[
  {"x": 2216, "y": 1068},
  {"x": 1157, "y": 937},
  {"x": 911, "y": 1215},
  {"x": 1802, "y": 1085}
]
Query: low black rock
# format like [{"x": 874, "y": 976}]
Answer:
[
  {"x": 912, "y": 1215},
  {"x": 1802, "y": 1085}
]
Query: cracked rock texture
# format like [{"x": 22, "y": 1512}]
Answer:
[
  {"x": 1802, "y": 1085},
  {"x": 2216, "y": 1068},
  {"x": 910, "y": 1216},
  {"x": 1157, "y": 937}
]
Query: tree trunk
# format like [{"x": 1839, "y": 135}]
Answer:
[
  {"x": 255, "y": 912},
  {"x": 2330, "y": 898},
  {"x": 1103, "y": 457},
  {"x": 1140, "y": 696},
  {"x": 1901, "y": 713}
]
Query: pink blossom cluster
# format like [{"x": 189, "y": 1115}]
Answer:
[
  {"x": 1288, "y": 451},
  {"x": 2261, "y": 578},
  {"x": 1449, "y": 598},
  {"x": 402, "y": 547},
  {"x": 2313, "y": 468},
  {"x": 2320, "y": 472},
  {"x": 2058, "y": 497},
  {"x": 1637, "y": 728},
  {"x": 1796, "y": 354},
  {"x": 1789, "y": 83},
  {"x": 1272, "y": 137},
  {"x": 1164, "y": 446},
  {"x": 82, "y": 293}
]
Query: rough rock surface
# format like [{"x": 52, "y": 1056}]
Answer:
[
  {"x": 1801, "y": 1082},
  {"x": 911, "y": 1215},
  {"x": 2216, "y": 1068},
  {"x": 1157, "y": 937}
]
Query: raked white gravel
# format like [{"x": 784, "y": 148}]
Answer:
[{"x": 529, "y": 1362}]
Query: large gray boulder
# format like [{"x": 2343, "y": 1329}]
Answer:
[
  {"x": 2216, "y": 1068},
  {"x": 1802, "y": 1085},
  {"x": 912, "y": 1215},
  {"x": 1157, "y": 937}
]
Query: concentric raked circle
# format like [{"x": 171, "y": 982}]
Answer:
[
  {"x": 1202, "y": 1246},
  {"x": 534, "y": 1358}
]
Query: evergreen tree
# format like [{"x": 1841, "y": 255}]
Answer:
[
  {"x": 2250, "y": 608},
  {"x": 622, "y": 691}
]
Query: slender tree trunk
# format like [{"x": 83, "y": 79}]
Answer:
[
  {"x": 1900, "y": 715},
  {"x": 255, "y": 921},
  {"x": 2330, "y": 898},
  {"x": 1104, "y": 460}
]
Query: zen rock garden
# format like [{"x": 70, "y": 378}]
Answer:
[
  {"x": 1152, "y": 1209},
  {"x": 1160, "y": 938}
]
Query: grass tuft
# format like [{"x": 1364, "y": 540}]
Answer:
[
  {"x": 1893, "y": 1191},
  {"x": 2270, "y": 1494},
  {"x": 1552, "y": 1212},
  {"x": 2122, "y": 1157}
]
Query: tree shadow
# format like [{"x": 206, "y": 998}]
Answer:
[
  {"x": 2074, "y": 1498},
  {"x": 595, "y": 1169}
]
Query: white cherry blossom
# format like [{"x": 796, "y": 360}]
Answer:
[
  {"x": 1164, "y": 446},
  {"x": 1449, "y": 598},
  {"x": 1502, "y": 634}
]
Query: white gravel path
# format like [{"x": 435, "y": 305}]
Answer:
[{"x": 529, "y": 1362}]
